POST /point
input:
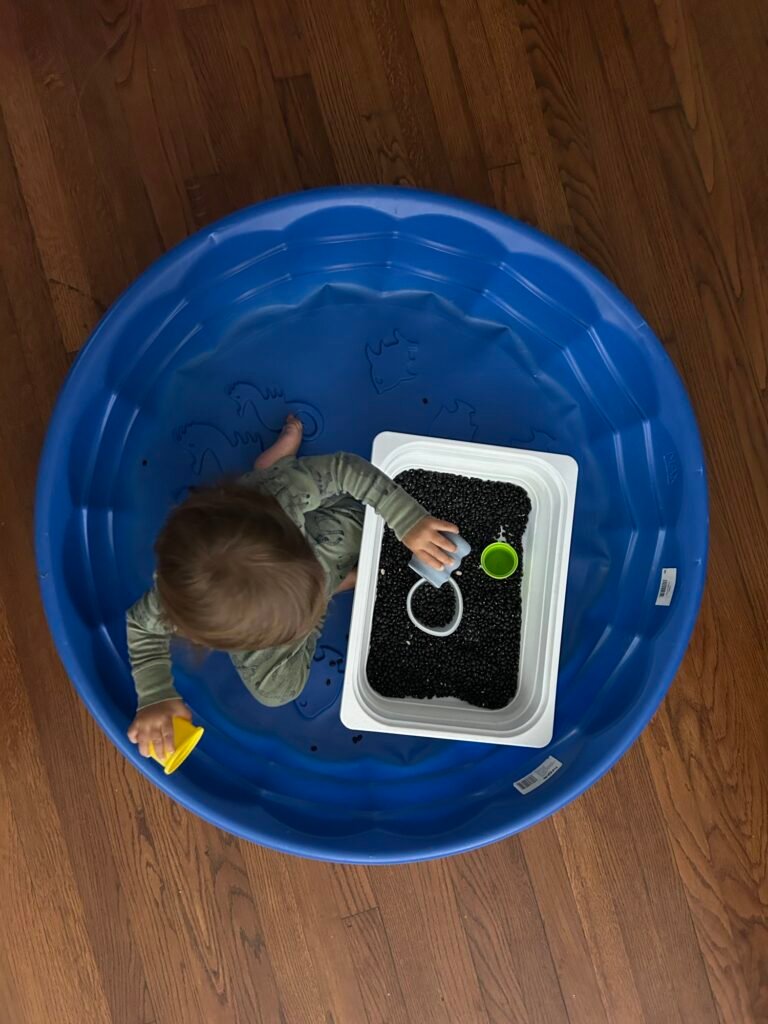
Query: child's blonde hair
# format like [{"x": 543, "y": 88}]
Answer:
[{"x": 235, "y": 574}]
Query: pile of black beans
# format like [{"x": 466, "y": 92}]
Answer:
[{"x": 479, "y": 662}]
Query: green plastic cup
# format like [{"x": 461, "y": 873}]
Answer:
[{"x": 499, "y": 561}]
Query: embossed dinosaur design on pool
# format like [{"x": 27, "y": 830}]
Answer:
[
  {"x": 393, "y": 362},
  {"x": 455, "y": 420},
  {"x": 271, "y": 407},
  {"x": 204, "y": 439}
]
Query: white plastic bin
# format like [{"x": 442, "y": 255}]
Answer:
[{"x": 527, "y": 720}]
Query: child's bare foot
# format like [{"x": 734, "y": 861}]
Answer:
[{"x": 287, "y": 444}]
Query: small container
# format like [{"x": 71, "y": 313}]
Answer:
[
  {"x": 437, "y": 577},
  {"x": 499, "y": 560},
  {"x": 186, "y": 736},
  {"x": 528, "y": 720}
]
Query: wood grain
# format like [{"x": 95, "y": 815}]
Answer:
[
  {"x": 49, "y": 207},
  {"x": 563, "y": 925},
  {"x": 56, "y": 720},
  {"x": 444, "y": 985},
  {"x": 283, "y": 36},
  {"x": 550, "y": 38},
  {"x": 271, "y": 877},
  {"x": 633, "y": 130},
  {"x": 306, "y": 132},
  {"x": 43, "y": 900},
  {"x": 449, "y": 98},
  {"x": 506, "y": 937},
  {"x": 374, "y": 965},
  {"x": 163, "y": 110},
  {"x": 482, "y": 83}
]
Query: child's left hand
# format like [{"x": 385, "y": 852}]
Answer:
[{"x": 427, "y": 542}]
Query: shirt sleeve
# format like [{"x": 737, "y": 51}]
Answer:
[
  {"x": 303, "y": 485},
  {"x": 149, "y": 651},
  {"x": 278, "y": 675}
]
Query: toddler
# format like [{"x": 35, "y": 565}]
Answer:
[{"x": 249, "y": 567}]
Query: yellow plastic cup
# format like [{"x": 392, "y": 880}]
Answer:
[
  {"x": 499, "y": 561},
  {"x": 186, "y": 736}
]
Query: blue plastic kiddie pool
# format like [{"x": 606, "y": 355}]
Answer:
[{"x": 370, "y": 309}]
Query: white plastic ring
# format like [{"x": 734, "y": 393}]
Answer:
[{"x": 452, "y": 626}]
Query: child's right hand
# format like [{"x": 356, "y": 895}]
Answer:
[
  {"x": 428, "y": 542},
  {"x": 154, "y": 724}
]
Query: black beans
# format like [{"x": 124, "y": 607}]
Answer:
[{"x": 479, "y": 662}]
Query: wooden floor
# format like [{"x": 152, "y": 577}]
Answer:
[{"x": 629, "y": 129}]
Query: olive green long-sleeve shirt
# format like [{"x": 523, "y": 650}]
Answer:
[{"x": 321, "y": 495}]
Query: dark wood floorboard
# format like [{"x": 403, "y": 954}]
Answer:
[{"x": 633, "y": 130}]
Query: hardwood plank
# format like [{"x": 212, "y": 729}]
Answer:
[
  {"x": 600, "y": 920},
  {"x": 449, "y": 99},
  {"x": 336, "y": 91},
  {"x": 562, "y": 925},
  {"x": 208, "y": 198},
  {"x": 732, "y": 42},
  {"x": 306, "y": 132},
  {"x": 30, "y": 305},
  {"x": 511, "y": 193},
  {"x": 163, "y": 111},
  {"x": 547, "y": 34},
  {"x": 352, "y": 89},
  {"x": 50, "y": 209},
  {"x": 353, "y": 890},
  {"x": 339, "y": 980},
  {"x": 655, "y": 916},
  {"x": 506, "y": 938},
  {"x": 188, "y": 884},
  {"x": 698, "y": 744},
  {"x": 372, "y": 958},
  {"x": 302, "y": 991},
  {"x": 13, "y": 994},
  {"x": 420, "y": 912},
  {"x": 603, "y": 162},
  {"x": 419, "y": 975},
  {"x": 283, "y": 35},
  {"x": 722, "y": 255},
  {"x": 410, "y": 98},
  {"x": 247, "y": 130},
  {"x": 701, "y": 176},
  {"x": 60, "y": 719},
  {"x": 242, "y": 28},
  {"x": 654, "y": 68},
  {"x": 30, "y": 994},
  {"x": 43, "y": 921},
  {"x": 106, "y": 142},
  {"x": 44, "y": 37},
  {"x": 633, "y": 933},
  {"x": 482, "y": 83},
  {"x": 519, "y": 97}
]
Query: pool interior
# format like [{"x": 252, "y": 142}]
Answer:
[{"x": 421, "y": 322}]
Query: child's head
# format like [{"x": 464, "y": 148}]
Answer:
[{"x": 234, "y": 573}]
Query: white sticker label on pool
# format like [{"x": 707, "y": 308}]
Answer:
[
  {"x": 538, "y": 776},
  {"x": 666, "y": 587}
]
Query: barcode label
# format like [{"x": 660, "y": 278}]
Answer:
[
  {"x": 538, "y": 776},
  {"x": 666, "y": 587}
]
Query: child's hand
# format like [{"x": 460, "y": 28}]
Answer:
[
  {"x": 154, "y": 724},
  {"x": 427, "y": 542}
]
